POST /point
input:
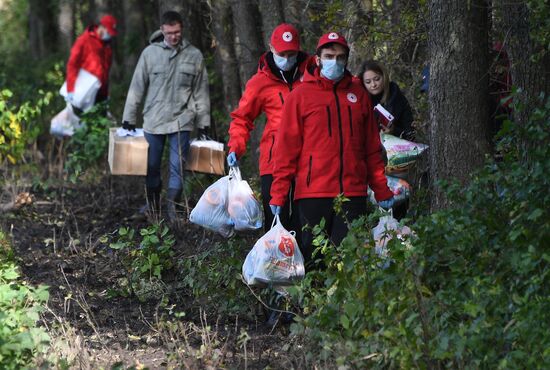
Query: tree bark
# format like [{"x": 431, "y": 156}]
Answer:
[
  {"x": 66, "y": 22},
  {"x": 42, "y": 28},
  {"x": 226, "y": 60},
  {"x": 175, "y": 5},
  {"x": 272, "y": 16},
  {"x": 530, "y": 75},
  {"x": 458, "y": 94}
]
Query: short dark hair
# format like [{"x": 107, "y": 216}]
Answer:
[
  {"x": 171, "y": 17},
  {"x": 330, "y": 45}
]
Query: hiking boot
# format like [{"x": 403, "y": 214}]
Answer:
[{"x": 173, "y": 197}]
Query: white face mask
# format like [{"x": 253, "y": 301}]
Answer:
[
  {"x": 332, "y": 69},
  {"x": 106, "y": 36},
  {"x": 285, "y": 64}
]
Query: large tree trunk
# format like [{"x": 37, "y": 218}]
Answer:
[
  {"x": 530, "y": 75},
  {"x": 458, "y": 95},
  {"x": 249, "y": 47},
  {"x": 66, "y": 21},
  {"x": 226, "y": 60},
  {"x": 355, "y": 13},
  {"x": 175, "y": 5},
  {"x": 42, "y": 28},
  {"x": 272, "y": 16}
]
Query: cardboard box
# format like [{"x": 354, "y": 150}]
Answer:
[
  {"x": 127, "y": 154},
  {"x": 206, "y": 160}
]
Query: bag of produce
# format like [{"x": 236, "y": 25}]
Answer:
[
  {"x": 65, "y": 123},
  {"x": 401, "y": 153},
  {"x": 400, "y": 188},
  {"x": 211, "y": 209},
  {"x": 242, "y": 206},
  {"x": 275, "y": 258}
]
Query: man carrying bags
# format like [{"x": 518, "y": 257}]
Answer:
[{"x": 329, "y": 145}]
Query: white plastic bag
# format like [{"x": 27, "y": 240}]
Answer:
[
  {"x": 211, "y": 209},
  {"x": 85, "y": 89},
  {"x": 275, "y": 258},
  {"x": 383, "y": 233},
  {"x": 65, "y": 123},
  {"x": 242, "y": 205}
]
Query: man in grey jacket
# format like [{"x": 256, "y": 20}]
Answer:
[{"x": 172, "y": 77}]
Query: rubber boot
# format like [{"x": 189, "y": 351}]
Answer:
[
  {"x": 152, "y": 205},
  {"x": 173, "y": 197}
]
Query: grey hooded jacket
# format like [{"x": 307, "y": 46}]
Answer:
[{"x": 175, "y": 85}]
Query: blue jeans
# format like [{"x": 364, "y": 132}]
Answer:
[{"x": 179, "y": 149}]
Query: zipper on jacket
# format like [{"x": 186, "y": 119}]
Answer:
[
  {"x": 341, "y": 179},
  {"x": 329, "y": 122},
  {"x": 350, "y": 120},
  {"x": 308, "y": 180},
  {"x": 281, "y": 96},
  {"x": 271, "y": 148}
]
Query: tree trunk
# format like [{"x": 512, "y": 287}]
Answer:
[
  {"x": 42, "y": 28},
  {"x": 292, "y": 13},
  {"x": 175, "y": 5},
  {"x": 66, "y": 21},
  {"x": 226, "y": 60},
  {"x": 272, "y": 16},
  {"x": 249, "y": 47},
  {"x": 458, "y": 94},
  {"x": 530, "y": 75}
]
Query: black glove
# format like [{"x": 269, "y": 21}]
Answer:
[
  {"x": 202, "y": 133},
  {"x": 127, "y": 126}
]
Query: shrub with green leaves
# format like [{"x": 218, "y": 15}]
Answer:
[
  {"x": 145, "y": 260},
  {"x": 471, "y": 291},
  {"x": 21, "y": 339},
  {"x": 89, "y": 144}
]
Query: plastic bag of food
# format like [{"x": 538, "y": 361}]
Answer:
[
  {"x": 275, "y": 258},
  {"x": 401, "y": 153},
  {"x": 86, "y": 87},
  {"x": 65, "y": 123},
  {"x": 400, "y": 188},
  {"x": 211, "y": 209},
  {"x": 242, "y": 206},
  {"x": 383, "y": 232}
]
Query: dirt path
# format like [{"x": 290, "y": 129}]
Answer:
[{"x": 60, "y": 241}]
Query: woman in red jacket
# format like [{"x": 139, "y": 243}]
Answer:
[
  {"x": 92, "y": 52},
  {"x": 329, "y": 145},
  {"x": 279, "y": 72}
]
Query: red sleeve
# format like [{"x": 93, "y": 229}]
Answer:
[
  {"x": 250, "y": 107},
  {"x": 376, "y": 172},
  {"x": 74, "y": 63},
  {"x": 287, "y": 149}
]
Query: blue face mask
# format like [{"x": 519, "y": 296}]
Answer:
[
  {"x": 106, "y": 36},
  {"x": 332, "y": 69},
  {"x": 285, "y": 64}
]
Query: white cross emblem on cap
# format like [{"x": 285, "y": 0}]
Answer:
[
  {"x": 333, "y": 36},
  {"x": 352, "y": 97},
  {"x": 287, "y": 36}
]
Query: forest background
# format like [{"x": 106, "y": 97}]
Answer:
[{"x": 449, "y": 300}]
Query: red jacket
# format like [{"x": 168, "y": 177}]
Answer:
[
  {"x": 266, "y": 93},
  {"x": 93, "y": 55},
  {"x": 328, "y": 142}
]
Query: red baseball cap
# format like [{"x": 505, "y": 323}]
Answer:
[
  {"x": 109, "y": 22},
  {"x": 332, "y": 37},
  {"x": 285, "y": 38}
]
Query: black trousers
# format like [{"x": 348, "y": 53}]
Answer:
[
  {"x": 313, "y": 210},
  {"x": 289, "y": 214}
]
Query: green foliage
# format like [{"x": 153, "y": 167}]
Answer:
[
  {"x": 16, "y": 125},
  {"x": 214, "y": 277},
  {"x": 21, "y": 340},
  {"x": 471, "y": 290},
  {"x": 89, "y": 144},
  {"x": 144, "y": 261}
]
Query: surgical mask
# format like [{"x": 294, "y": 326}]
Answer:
[
  {"x": 332, "y": 69},
  {"x": 285, "y": 64},
  {"x": 106, "y": 36}
]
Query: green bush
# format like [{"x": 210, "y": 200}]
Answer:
[
  {"x": 21, "y": 339},
  {"x": 471, "y": 290}
]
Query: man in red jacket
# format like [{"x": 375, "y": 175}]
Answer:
[
  {"x": 328, "y": 143},
  {"x": 92, "y": 52},
  {"x": 279, "y": 72}
]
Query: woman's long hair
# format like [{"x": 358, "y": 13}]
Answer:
[{"x": 378, "y": 68}]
